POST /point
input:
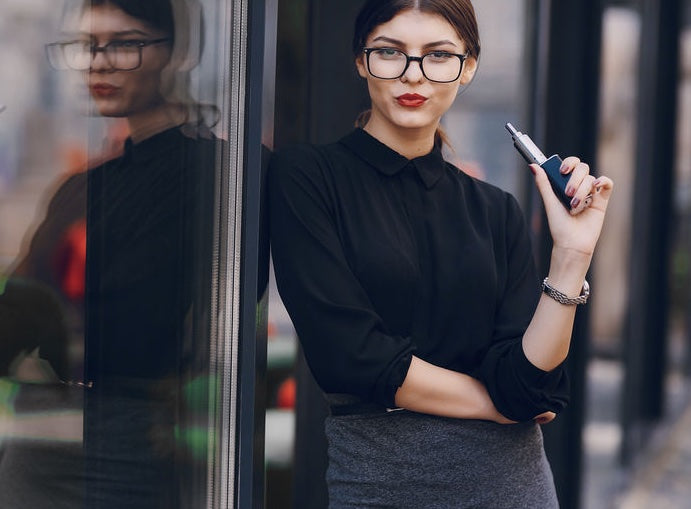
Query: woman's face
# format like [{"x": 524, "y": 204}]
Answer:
[
  {"x": 118, "y": 93},
  {"x": 412, "y": 101}
]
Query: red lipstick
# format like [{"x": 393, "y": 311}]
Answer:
[
  {"x": 103, "y": 90},
  {"x": 411, "y": 100}
]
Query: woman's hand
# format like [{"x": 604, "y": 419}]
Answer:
[
  {"x": 545, "y": 418},
  {"x": 575, "y": 233}
]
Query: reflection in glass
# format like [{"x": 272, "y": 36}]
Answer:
[
  {"x": 125, "y": 55},
  {"x": 108, "y": 308}
]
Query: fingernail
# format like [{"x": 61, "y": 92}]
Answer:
[
  {"x": 575, "y": 203},
  {"x": 563, "y": 168},
  {"x": 570, "y": 191},
  {"x": 597, "y": 183},
  {"x": 532, "y": 169}
]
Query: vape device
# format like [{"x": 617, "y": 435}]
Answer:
[{"x": 551, "y": 165}]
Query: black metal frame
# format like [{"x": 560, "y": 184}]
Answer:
[
  {"x": 368, "y": 51},
  {"x": 645, "y": 348}
]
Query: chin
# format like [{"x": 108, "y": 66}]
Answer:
[
  {"x": 414, "y": 121},
  {"x": 110, "y": 110},
  {"x": 109, "y": 106}
]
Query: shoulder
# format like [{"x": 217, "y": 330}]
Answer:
[
  {"x": 306, "y": 155},
  {"x": 307, "y": 161},
  {"x": 494, "y": 198}
]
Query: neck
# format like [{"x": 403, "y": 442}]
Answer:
[
  {"x": 148, "y": 123},
  {"x": 409, "y": 142}
]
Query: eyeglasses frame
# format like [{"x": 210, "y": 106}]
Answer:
[
  {"x": 140, "y": 45},
  {"x": 461, "y": 56}
]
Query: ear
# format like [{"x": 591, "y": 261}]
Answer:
[
  {"x": 469, "y": 68},
  {"x": 361, "y": 66}
]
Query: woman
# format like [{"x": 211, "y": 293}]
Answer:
[
  {"x": 412, "y": 285},
  {"x": 149, "y": 221}
]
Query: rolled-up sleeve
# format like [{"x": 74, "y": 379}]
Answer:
[
  {"x": 345, "y": 342},
  {"x": 519, "y": 389}
]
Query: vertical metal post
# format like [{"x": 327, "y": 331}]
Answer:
[
  {"x": 647, "y": 321},
  {"x": 261, "y": 17},
  {"x": 565, "y": 122}
]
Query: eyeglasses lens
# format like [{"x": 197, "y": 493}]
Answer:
[
  {"x": 79, "y": 55},
  {"x": 124, "y": 57},
  {"x": 391, "y": 64}
]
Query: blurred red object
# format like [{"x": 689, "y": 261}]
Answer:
[
  {"x": 71, "y": 261},
  {"x": 286, "y": 394}
]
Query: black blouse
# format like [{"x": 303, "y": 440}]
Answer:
[
  {"x": 149, "y": 238},
  {"x": 378, "y": 257}
]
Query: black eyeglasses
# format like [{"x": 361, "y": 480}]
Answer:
[
  {"x": 125, "y": 55},
  {"x": 437, "y": 66}
]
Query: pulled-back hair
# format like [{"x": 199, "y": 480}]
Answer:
[
  {"x": 157, "y": 14},
  {"x": 459, "y": 13}
]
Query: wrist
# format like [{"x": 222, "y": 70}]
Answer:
[
  {"x": 484, "y": 406},
  {"x": 568, "y": 269}
]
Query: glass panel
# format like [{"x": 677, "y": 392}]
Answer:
[{"x": 120, "y": 143}]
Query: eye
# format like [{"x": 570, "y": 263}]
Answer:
[
  {"x": 439, "y": 56},
  {"x": 387, "y": 53}
]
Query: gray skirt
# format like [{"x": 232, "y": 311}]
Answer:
[{"x": 408, "y": 460}]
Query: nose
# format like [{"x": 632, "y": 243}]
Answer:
[
  {"x": 414, "y": 72},
  {"x": 99, "y": 62}
]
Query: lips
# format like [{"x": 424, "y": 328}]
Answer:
[
  {"x": 411, "y": 100},
  {"x": 103, "y": 89}
]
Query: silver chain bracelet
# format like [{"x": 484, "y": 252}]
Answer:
[{"x": 563, "y": 298}]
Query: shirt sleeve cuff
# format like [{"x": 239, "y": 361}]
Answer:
[{"x": 385, "y": 392}]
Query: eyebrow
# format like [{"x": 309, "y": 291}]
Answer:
[
  {"x": 122, "y": 33},
  {"x": 383, "y": 38}
]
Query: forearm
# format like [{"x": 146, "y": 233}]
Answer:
[
  {"x": 438, "y": 391},
  {"x": 547, "y": 340}
]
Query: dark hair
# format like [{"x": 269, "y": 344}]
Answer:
[
  {"x": 157, "y": 14},
  {"x": 459, "y": 13},
  {"x": 183, "y": 22}
]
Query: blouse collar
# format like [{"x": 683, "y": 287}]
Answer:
[
  {"x": 389, "y": 162},
  {"x": 164, "y": 141}
]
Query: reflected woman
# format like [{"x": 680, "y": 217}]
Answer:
[{"x": 149, "y": 226}]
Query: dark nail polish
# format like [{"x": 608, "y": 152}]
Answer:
[
  {"x": 575, "y": 203},
  {"x": 570, "y": 191}
]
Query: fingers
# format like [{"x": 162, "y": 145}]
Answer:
[
  {"x": 545, "y": 418},
  {"x": 580, "y": 184},
  {"x": 602, "y": 190},
  {"x": 584, "y": 189},
  {"x": 582, "y": 196}
]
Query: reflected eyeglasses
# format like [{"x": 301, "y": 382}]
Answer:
[
  {"x": 436, "y": 66},
  {"x": 125, "y": 55}
]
